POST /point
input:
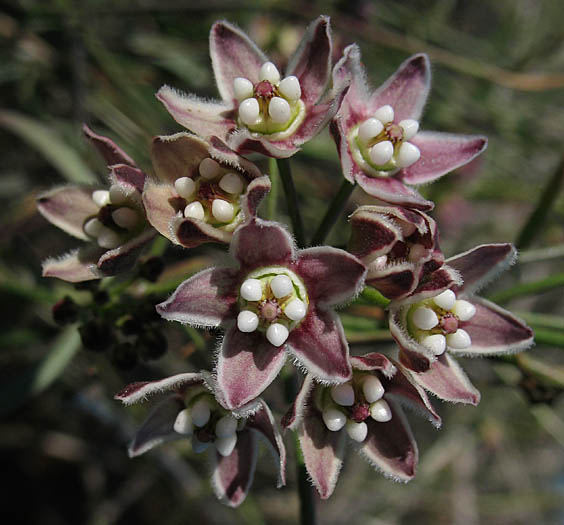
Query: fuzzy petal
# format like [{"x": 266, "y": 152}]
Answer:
[
  {"x": 206, "y": 299},
  {"x": 372, "y": 362},
  {"x": 122, "y": 258},
  {"x": 193, "y": 232},
  {"x": 394, "y": 281},
  {"x": 107, "y": 148},
  {"x": 372, "y": 233},
  {"x": 434, "y": 284},
  {"x": 252, "y": 198},
  {"x": 74, "y": 267},
  {"x": 298, "y": 409},
  {"x": 128, "y": 176},
  {"x": 158, "y": 200},
  {"x": 225, "y": 155},
  {"x": 440, "y": 154}
]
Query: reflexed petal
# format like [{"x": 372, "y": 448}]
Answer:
[
  {"x": 374, "y": 361},
  {"x": 177, "y": 156},
  {"x": 225, "y": 155},
  {"x": 107, "y": 148},
  {"x": 394, "y": 281},
  {"x": 372, "y": 233},
  {"x": 417, "y": 356},
  {"x": 193, "y": 232},
  {"x": 122, "y": 258},
  {"x": 256, "y": 191},
  {"x": 157, "y": 199},
  {"x": 129, "y": 177},
  {"x": 434, "y": 284},
  {"x": 296, "y": 412},
  {"x": 74, "y": 267}
]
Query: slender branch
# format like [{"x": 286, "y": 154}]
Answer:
[
  {"x": 519, "y": 290},
  {"x": 274, "y": 190},
  {"x": 305, "y": 490},
  {"x": 291, "y": 200}
]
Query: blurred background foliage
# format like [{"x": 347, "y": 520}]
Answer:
[{"x": 497, "y": 70}]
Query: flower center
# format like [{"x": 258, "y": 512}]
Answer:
[
  {"x": 273, "y": 300},
  {"x": 265, "y": 89}
]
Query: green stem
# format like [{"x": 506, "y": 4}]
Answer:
[
  {"x": 274, "y": 190},
  {"x": 548, "y": 337},
  {"x": 333, "y": 212},
  {"x": 519, "y": 290},
  {"x": 291, "y": 200}
]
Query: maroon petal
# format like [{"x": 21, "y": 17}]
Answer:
[
  {"x": 374, "y": 361},
  {"x": 372, "y": 233},
  {"x": 251, "y": 199},
  {"x": 232, "y": 475},
  {"x": 390, "y": 447},
  {"x": 319, "y": 344},
  {"x": 233, "y": 55},
  {"x": 297, "y": 410},
  {"x": 394, "y": 281},
  {"x": 74, "y": 267},
  {"x": 122, "y": 258},
  {"x": 225, "y": 155},
  {"x": 107, "y": 148},
  {"x": 206, "y": 299},
  {"x": 68, "y": 207},
  {"x": 434, "y": 284},
  {"x": 247, "y": 364},
  {"x": 417, "y": 356},
  {"x": 158, "y": 200},
  {"x": 414, "y": 360},
  {"x": 331, "y": 275},
  {"x": 440, "y": 154},
  {"x": 190, "y": 232},
  {"x": 128, "y": 176}
]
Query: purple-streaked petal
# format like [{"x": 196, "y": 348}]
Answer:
[
  {"x": 480, "y": 265},
  {"x": 394, "y": 281},
  {"x": 74, "y": 267},
  {"x": 417, "y": 356},
  {"x": 198, "y": 115},
  {"x": 331, "y": 275},
  {"x": 158, "y": 427},
  {"x": 390, "y": 447},
  {"x": 190, "y": 232},
  {"x": 225, "y": 155},
  {"x": 68, "y": 207},
  {"x": 107, "y": 148},
  {"x": 406, "y": 90},
  {"x": 122, "y": 258},
  {"x": 206, "y": 299},
  {"x": 247, "y": 364},
  {"x": 311, "y": 62},
  {"x": 232, "y": 475},
  {"x": 296, "y": 412},
  {"x": 233, "y": 55},
  {"x": 374, "y": 361},
  {"x": 158, "y": 200},
  {"x": 128, "y": 176},
  {"x": 440, "y": 154},
  {"x": 372, "y": 233},
  {"x": 251, "y": 199},
  {"x": 415, "y": 360},
  {"x": 177, "y": 155},
  {"x": 433, "y": 284},
  {"x": 319, "y": 344}
]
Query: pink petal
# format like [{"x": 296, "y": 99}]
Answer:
[
  {"x": 331, "y": 275},
  {"x": 233, "y": 55},
  {"x": 122, "y": 258},
  {"x": 232, "y": 475},
  {"x": 413, "y": 354},
  {"x": 225, "y": 155},
  {"x": 206, "y": 299},
  {"x": 434, "y": 284},
  {"x": 319, "y": 344},
  {"x": 247, "y": 364},
  {"x": 394, "y": 281},
  {"x": 74, "y": 267},
  {"x": 440, "y": 154},
  {"x": 415, "y": 360},
  {"x": 297, "y": 410},
  {"x": 107, "y": 148},
  {"x": 374, "y": 361},
  {"x": 193, "y": 232},
  {"x": 158, "y": 200},
  {"x": 68, "y": 207},
  {"x": 251, "y": 199},
  {"x": 127, "y": 176}
]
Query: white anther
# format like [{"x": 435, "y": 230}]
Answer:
[
  {"x": 277, "y": 334},
  {"x": 201, "y": 412},
  {"x": 194, "y": 210},
  {"x": 408, "y": 154},
  {"x": 459, "y": 340},
  {"x": 243, "y": 88},
  {"x": 209, "y": 168},
  {"x": 199, "y": 446},
  {"x": 279, "y": 110},
  {"x": 249, "y": 111},
  {"x": 93, "y": 227},
  {"x": 184, "y": 186},
  {"x": 463, "y": 310},
  {"x": 372, "y": 389},
  {"x": 334, "y": 419},
  {"x": 436, "y": 343},
  {"x": 125, "y": 218},
  {"x": 231, "y": 183},
  {"x": 108, "y": 239},
  {"x": 225, "y": 445},
  {"x": 380, "y": 411},
  {"x": 183, "y": 422},
  {"x": 290, "y": 88},
  {"x": 416, "y": 252},
  {"x": 343, "y": 394},
  {"x": 118, "y": 194},
  {"x": 407, "y": 228},
  {"x": 385, "y": 114},
  {"x": 247, "y": 321},
  {"x": 357, "y": 431},
  {"x": 226, "y": 426},
  {"x": 445, "y": 300},
  {"x": 222, "y": 210},
  {"x": 424, "y": 318},
  {"x": 269, "y": 71},
  {"x": 369, "y": 129},
  {"x": 281, "y": 286},
  {"x": 251, "y": 290},
  {"x": 410, "y": 128},
  {"x": 295, "y": 310},
  {"x": 381, "y": 153},
  {"x": 101, "y": 197}
]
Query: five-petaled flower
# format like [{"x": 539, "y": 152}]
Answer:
[
  {"x": 260, "y": 110},
  {"x": 278, "y": 298},
  {"x": 378, "y": 138},
  {"x": 190, "y": 411},
  {"x": 366, "y": 410}
]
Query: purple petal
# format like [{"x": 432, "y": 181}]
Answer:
[
  {"x": 394, "y": 281},
  {"x": 247, "y": 364},
  {"x": 319, "y": 344},
  {"x": 406, "y": 90},
  {"x": 122, "y": 258},
  {"x": 413, "y": 355},
  {"x": 225, "y": 155},
  {"x": 331, "y": 275},
  {"x": 440, "y": 154},
  {"x": 372, "y": 233},
  {"x": 434, "y": 284},
  {"x": 128, "y": 176},
  {"x": 193, "y": 232},
  {"x": 158, "y": 200},
  {"x": 74, "y": 267},
  {"x": 232, "y": 475},
  {"x": 251, "y": 199},
  {"x": 107, "y": 148},
  {"x": 233, "y": 55},
  {"x": 206, "y": 299},
  {"x": 415, "y": 360},
  {"x": 374, "y": 361},
  {"x": 297, "y": 410},
  {"x": 68, "y": 207},
  {"x": 390, "y": 447}
]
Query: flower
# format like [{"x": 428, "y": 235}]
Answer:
[
  {"x": 366, "y": 410},
  {"x": 453, "y": 321},
  {"x": 191, "y": 411},
  {"x": 113, "y": 220},
  {"x": 260, "y": 110},
  {"x": 277, "y": 298},
  {"x": 203, "y": 189},
  {"x": 399, "y": 246},
  {"x": 378, "y": 138}
]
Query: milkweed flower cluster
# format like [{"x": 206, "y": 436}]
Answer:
[{"x": 272, "y": 300}]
